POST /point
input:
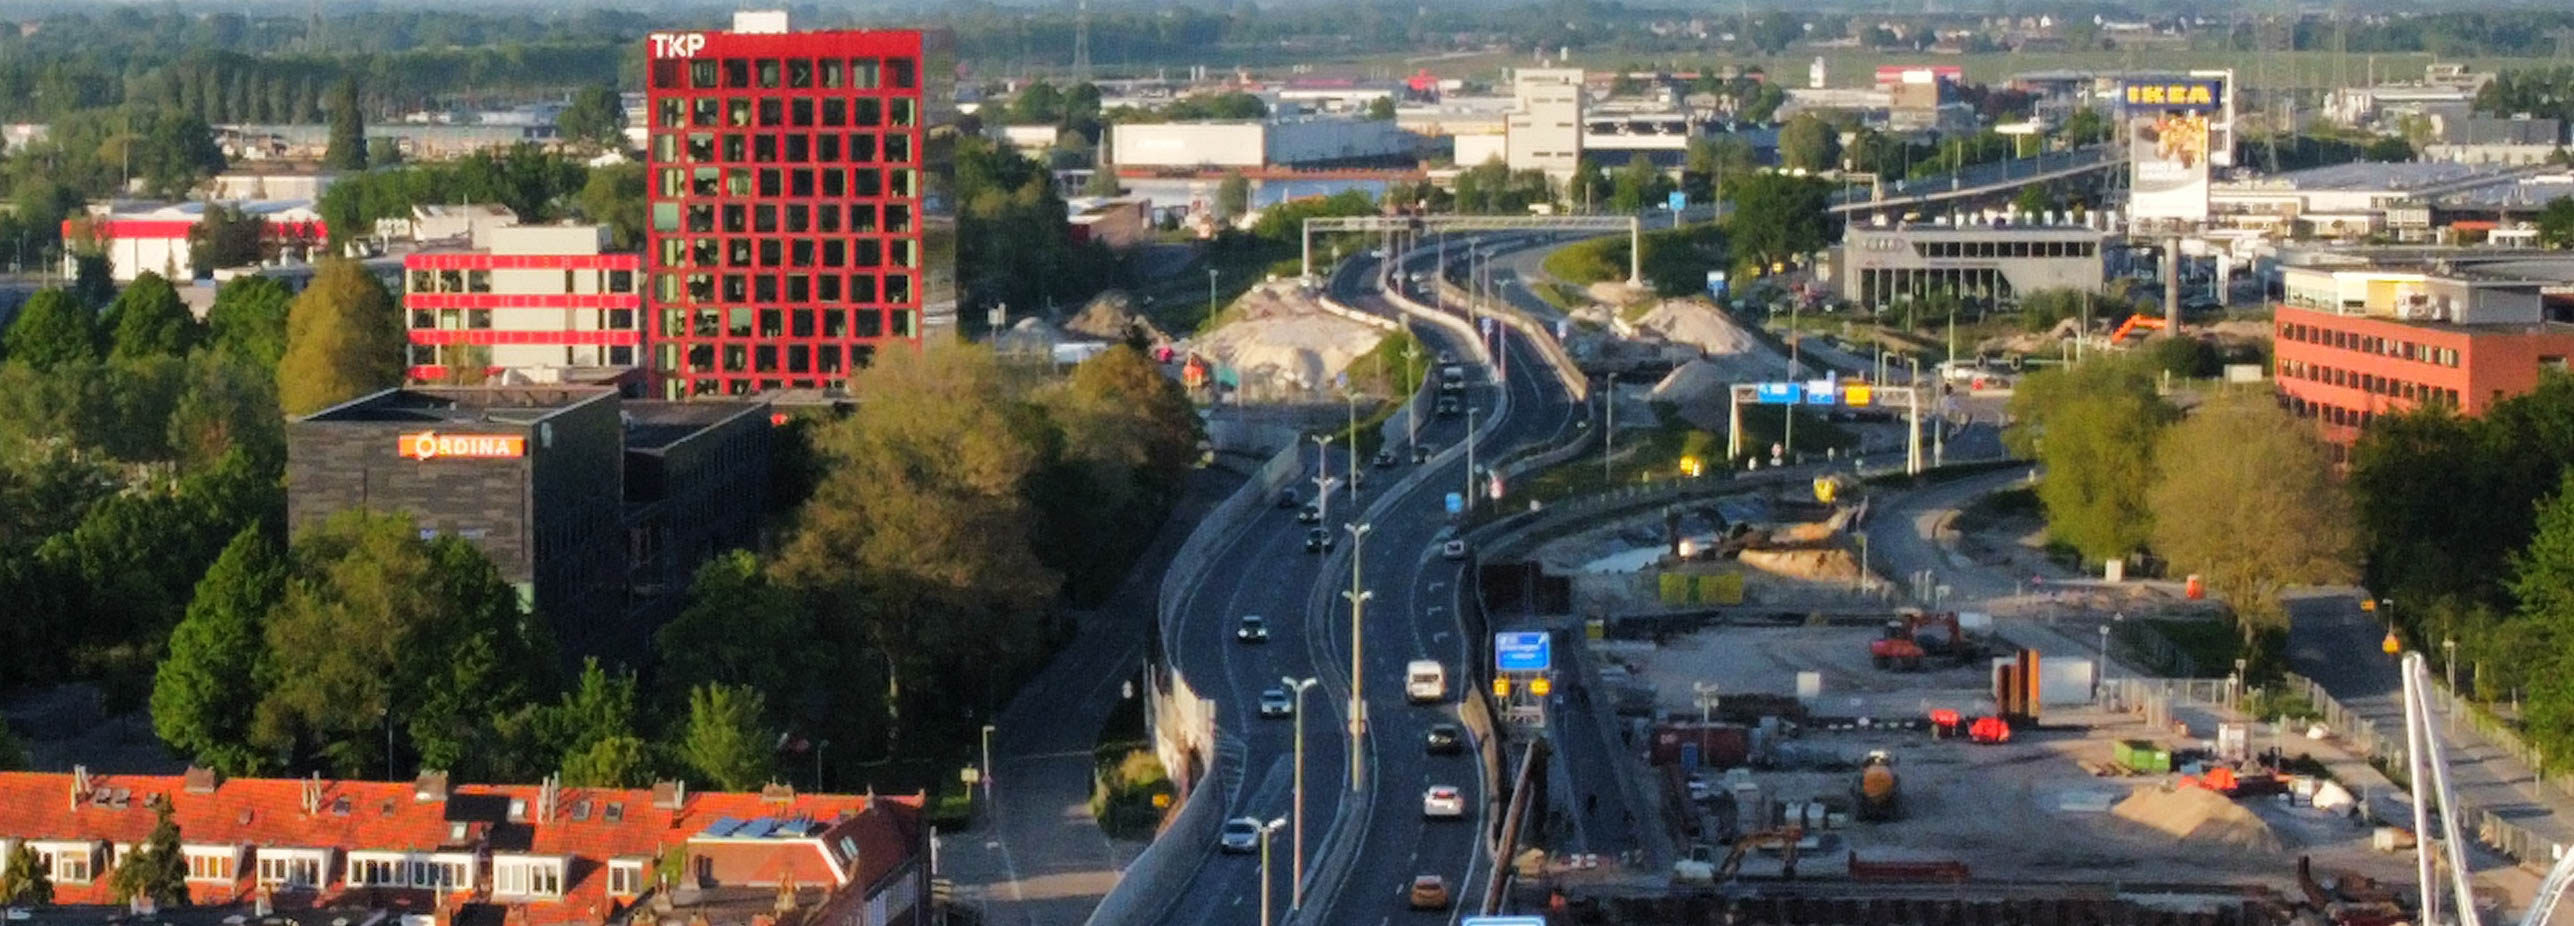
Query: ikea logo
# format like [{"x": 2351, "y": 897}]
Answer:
[{"x": 2193, "y": 94}]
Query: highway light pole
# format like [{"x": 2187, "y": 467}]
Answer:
[
  {"x": 1470, "y": 459},
  {"x": 1796, "y": 369},
  {"x": 1323, "y": 478},
  {"x": 1609, "y": 429},
  {"x": 2449, "y": 647},
  {"x": 1358, "y": 598},
  {"x": 1211, "y": 295},
  {"x": 1412, "y": 411},
  {"x": 987, "y": 762},
  {"x": 1349, "y": 397},
  {"x": 1296, "y": 890},
  {"x": 1266, "y": 830}
]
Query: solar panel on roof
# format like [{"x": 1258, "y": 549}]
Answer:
[
  {"x": 722, "y": 827},
  {"x": 760, "y": 828}
]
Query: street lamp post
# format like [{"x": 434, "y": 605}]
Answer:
[
  {"x": 1412, "y": 417},
  {"x": 818, "y": 747},
  {"x": 1609, "y": 428},
  {"x": 1358, "y": 598},
  {"x": 1266, "y": 830},
  {"x": 2103, "y": 674},
  {"x": 1470, "y": 459},
  {"x": 2449, "y": 648},
  {"x": 1349, "y": 398},
  {"x": 1323, "y": 477},
  {"x": 1211, "y": 292},
  {"x": 986, "y": 778},
  {"x": 1296, "y": 889},
  {"x": 1796, "y": 342}
]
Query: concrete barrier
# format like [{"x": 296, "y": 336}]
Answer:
[{"x": 1557, "y": 358}]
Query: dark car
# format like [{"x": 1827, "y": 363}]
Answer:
[
  {"x": 1385, "y": 459},
  {"x": 1318, "y": 540},
  {"x": 1447, "y": 407},
  {"x": 1420, "y": 454},
  {"x": 1287, "y": 498},
  {"x": 1252, "y": 630},
  {"x": 1443, "y": 739},
  {"x": 1310, "y": 514}
]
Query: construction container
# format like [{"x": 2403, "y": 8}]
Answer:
[
  {"x": 2142, "y": 756},
  {"x": 1714, "y": 745}
]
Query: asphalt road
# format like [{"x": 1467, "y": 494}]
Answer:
[{"x": 1265, "y": 570}]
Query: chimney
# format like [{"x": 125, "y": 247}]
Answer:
[
  {"x": 430, "y": 787},
  {"x": 777, "y": 794},
  {"x": 312, "y": 794},
  {"x": 79, "y": 785},
  {"x": 547, "y": 795},
  {"x": 670, "y": 795},
  {"x": 199, "y": 780}
]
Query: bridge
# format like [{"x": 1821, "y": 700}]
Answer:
[{"x": 1979, "y": 180}]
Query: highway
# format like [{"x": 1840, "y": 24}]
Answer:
[
  {"x": 1979, "y": 179},
  {"x": 1413, "y": 615}
]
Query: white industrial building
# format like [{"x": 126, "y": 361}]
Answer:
[
  {"x": 1546, "y": 127},
  {"x": 140, "y": 237},
  {"x": 1258, "y": 143},
  {"x": 2345, "y": 200},
  {"x": 1457, "y": 115}
]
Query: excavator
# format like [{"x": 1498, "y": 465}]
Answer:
[
  {"x": 2134, "y": 324},
  {"x": 1698, "y": 868},
  {"x": 1901, "y": 647}
]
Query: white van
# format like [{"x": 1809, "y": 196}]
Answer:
[{"x": 1425, "y": 681}]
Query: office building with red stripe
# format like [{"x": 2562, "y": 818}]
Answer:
[
  {"x": 525, "y": 298},
  {"x": 787, "y": 235}
]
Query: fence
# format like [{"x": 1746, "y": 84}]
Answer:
[{"x": 2387, "y": 749}]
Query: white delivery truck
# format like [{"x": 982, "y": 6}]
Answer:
[{"x": 1425, "y": 681}]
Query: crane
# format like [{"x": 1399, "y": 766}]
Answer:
[{"x": 2426, "y": 761}]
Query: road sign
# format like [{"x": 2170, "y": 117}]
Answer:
[
  {"x": 1777, "y": 393},
  {"x": 1679, "y": 201},
  {"x": 1456, "y": 502},
  {"x": 1822, "y": 392},
  {"x": 1523, "y": 651}
]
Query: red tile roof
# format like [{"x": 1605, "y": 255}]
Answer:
[{"x": 391, "y": 817}]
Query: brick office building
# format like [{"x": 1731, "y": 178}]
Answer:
[
  {"x": 596, "y": 508},
  {"x": 2354, "y": 343},
  {"x": 794, "y": 224}
]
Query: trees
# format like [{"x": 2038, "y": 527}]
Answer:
[
  {"x": 726, "y": 741},
  {"x": 1102, "y": 182},
  {"x": 2245, "y": 495},
  {"x": 596, "y": 116},
  {"x": 155, "y": 869},
  {"x": 347, "y": 149},
  {"x": 1012, "y": 244},
  {"x": 2033, "y": 200},
  {"x": 1776, "y": 217},
  {"x": 1233, "y": 195},
  {"x": 614, "y": 196},
  {"x": 595, "y": 730},
  {"x": 427, "y": 638},
  {"x": 2093, "y": 426},
  {"x": 1639, "y": 186},
  {"x": 147, "y": 319},
  {"x": 25, "y": 881},
  {"x": 739, "y": 628},
  {"x": 2542, "y": 578},
  {"x": 199, "y": 703},
  {"x": 1810, "y": 143},
  {"x": 1040, "y": 103},
  {"x": 2087, "y": 126},
  {"x": 2556, "y": 223},
  {"x": 53, "y": 329},
  {"x": 226, "y": 237},
  {"x": 1381, "y": 109},
  {"x": 1127, "y": 437},
  {"x": 2390, "y": 149},
  {"x": 344, "y": 339},
  {"x": 249, "y": 320},
  {"x": 1711, "y": 163}
]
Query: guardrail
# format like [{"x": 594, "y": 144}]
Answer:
[
  {"x": 1575, "y": 382},
  {"x": 2503, "y": 836},
  {"x": 1182, "y": 721}
]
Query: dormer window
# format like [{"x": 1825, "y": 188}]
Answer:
[{"x": 527, "y": 876}]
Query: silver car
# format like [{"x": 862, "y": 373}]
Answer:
[{"x": 1241, "y": 834}]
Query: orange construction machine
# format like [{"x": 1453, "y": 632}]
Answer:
[
  {"x": 2134, "y": 324},
  {"x": 1904, "y": 644}
]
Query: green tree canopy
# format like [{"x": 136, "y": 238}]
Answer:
[
  {"x": 726, "y": 740},
  {"x": 25, "y": 881},
  {"x": 1777, "y": 217},
  {"x": 205, "y": 689},
  {"x": 1381, "y": 109},
  {"x": 347, "y": 150},
  {"x": 427, "y": 638},
  {"x": 344, "y": 339},
  {"x": 2087, "y": 126},
  {"x": 739, "y": 628},
  {"x": 2556, "y": 223},
  {"x": 155, "y": 869},
  {"x": 614, "y": 196},
  {"x": 2246, "y": 496},
  {"x": 596, "y": 116},
  {"x": 149, "y": 320},
  {"x": 226, "y": 237},
  {"x": 1639, "y": 186},
  {"x": 1810, "y": 143},
  {"x": 2093, "y": 426},
  {"x": 1233, "y": 195},
  {"x": 53, "y": 329}
]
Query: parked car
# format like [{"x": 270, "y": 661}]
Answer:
[
  {"x": 1443, "y": 739},
  {"x": 1253, "y": 629}
]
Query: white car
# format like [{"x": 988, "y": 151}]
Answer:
[
  {"x": 1241, "y": 834},
  {"x": 1443, "y": 802},
  {"x": 1453, "y": 549},
  {"x": 1275, "y": 702}
]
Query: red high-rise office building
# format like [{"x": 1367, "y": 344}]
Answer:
[{"x": 788, "y": 177}]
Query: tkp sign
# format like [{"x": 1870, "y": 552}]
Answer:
[{"x": 677, "y": 44}]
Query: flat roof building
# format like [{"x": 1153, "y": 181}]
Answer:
[
  {"x": 2358, "y": 341},
  {"x": 1885, "y": 265},
  {"x": 526, "y": 297},
  {"x": 595, "y": 508}
]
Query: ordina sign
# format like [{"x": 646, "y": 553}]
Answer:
[{"x": 430, "y": 445}]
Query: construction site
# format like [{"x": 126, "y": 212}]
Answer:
[{"x": 1819, "y": 753}]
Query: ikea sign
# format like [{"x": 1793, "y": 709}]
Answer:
[{"x": 2174, "y": 94}]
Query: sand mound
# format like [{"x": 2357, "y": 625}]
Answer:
[
  {"x": 1695, "y": 381},
  {"x": 1697, "y": 324},
  {"x": 1822, "y": 563},
  {"x": 2197, "y": 815},
  {"x": 1110, "y": 316},
  {"x": 1285, "y": 344}
]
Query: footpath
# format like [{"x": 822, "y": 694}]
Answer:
[{"x": 1035, "y": 857}]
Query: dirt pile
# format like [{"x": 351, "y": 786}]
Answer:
[
  {"x": 1813, "y": 563},
  {"x": 2197, "y": 815},
  {"x": 1734, "y": 353},
  {"x": 1111, "y": 316},
  {"x": 1692, "y": 382},
  {"x": 1284, "y": 345}
]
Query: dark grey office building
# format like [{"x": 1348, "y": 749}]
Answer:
[{"x": 595, "y": 507}]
